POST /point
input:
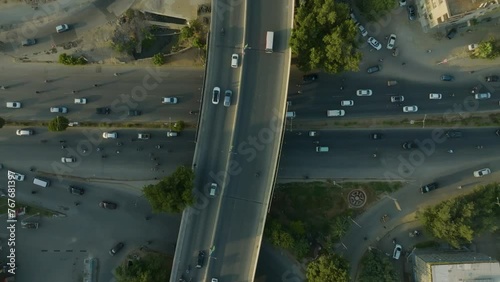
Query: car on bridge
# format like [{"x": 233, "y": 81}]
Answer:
[
  {"x": 216, "y": 95},
  {"x": 409, "y": 145},
  {"x": 81, "y": 101},
  {"x": 364, "y": 92},
  {"x": 435, "y": 96},
  {"x": 453, "y": 134},
  {"x": 13, "y": 105},
  {"x": 397, "y": 99},
  {"x": 227, "y": 98},
  {"x": 68, "y": 159},
  {"x": 169, "y": 100},
  {"x": 201, "y": 259}
]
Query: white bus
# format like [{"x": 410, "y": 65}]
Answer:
[{"x": 269, "y": 41}]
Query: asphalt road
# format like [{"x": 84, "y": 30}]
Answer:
[
  {"x": 238, "y": 143},
  {"x": 21, "y": 153},
  {"x": 135, "y": 88},
  {"x": 351, "y": 154},
  {"x": 86, "y": 231}
]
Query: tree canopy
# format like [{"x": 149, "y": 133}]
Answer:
[
  {"x": 373, "y": 9},
  {"x": 375, "y": 266},
  {"x": 173, "y": 193},
  {"x": 150, "y": 268},
  {"x": 325, "y": 37},
  {"x": 487, "y": 49},
  {"x": 58, "y": 123},
  {"x": 2, "y": 122},
  {"x": 457, "y": 220},
  {"x": 328, "y": 268}
]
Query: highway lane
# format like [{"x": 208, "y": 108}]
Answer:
[
  {"x": 351, "y": 154},
  {"x": 256, "y": 144},
  {"x": 215, "y": 137},
  {"x": 87, "y": 230},
  {"x": 415, "y": 82},
  {"x": 139, "y": 88},
  {"x": 20, "y": 153}
]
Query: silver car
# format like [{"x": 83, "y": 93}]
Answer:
[
  {"x": 59, "y": 110},
  {"x": 227, "y": 98},
  {"x": 482, "y": 96}
]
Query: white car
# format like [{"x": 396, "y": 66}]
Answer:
[
  {"x": 397, "y": 251},
  {"x": 374, "y": 43},
  {"x": 234, "y": 61},
  {"x": 472, "y": 47},
  {"x": 435, "y": 96},
  {"x": 347, "y": 103},
  {"x": 353, "y": 17},
  {"x": 402, "y": 3},
  {"x": 172, "y": 134},
  {"x": 364, "y": 92},
  {"x": 109, "y": 135},
  {"x": 24, "y": 132},
  {"x": 13, "y": 105},
  {"x": 482, "y": 96},
  {"x": 482, "y": 172},
  {"x": 216, "y": 95},
  {"x": 62, "y": 28},
  {"x": 81, "y": 101},
  {"x": 362, "y": 30},
  {"x": 391, "y": 42},
  {"x": 335, "y": 113},
  {"x": 169, "y": 100},
  {"x": 215, "y": 280},
  {"x": 59, "y": 110},
  {"x": 17, "y": 176},
  {"x": 68, "y": 160},
  {"x": 410, "y": 109}
]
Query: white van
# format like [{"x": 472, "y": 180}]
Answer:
[
  {"x": 41, "y": 182},
  {"x": 322, "y": 149},
  {"x": 269, "y": 41},
  {"x": 290, "y": 114}
]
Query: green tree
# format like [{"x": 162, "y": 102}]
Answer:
[
  {"x": 297, "y": 228},
  {"x": 173, "y": 193},
  {"x": 194, "y": 34},
  {"x": 66, "y": 59},
  {"x": 457, "y": 220},
  {"x": 325, "y": 37},
  {"x": 279, "y": 236},
  {"x": 487, "y": 49},
  {"x": 375, "y": 266},
  {"x": 328, "y": 268},
  {"x": 339, "y": 227},
  {"x": 374, "y": 9},
  {"x": 2, "y": 122},
  {"x": 151, "y": 267},
  {"x": 58, "y": 123},
  {"x": 178, "y": 126},
  {"x": 158, "y": 59}
]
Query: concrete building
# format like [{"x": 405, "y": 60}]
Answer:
[
  {"x": 455, "y": 266},
  {"x": 437, "y": 13}
]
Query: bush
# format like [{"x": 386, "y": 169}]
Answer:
[
  {"x": 178, "y": 126},
  {"x": 158, "y": 59},
  {"x": 2, "y": 122},
  {"x": 66, "y": 59},
  {"x": 59, "y": 123}
]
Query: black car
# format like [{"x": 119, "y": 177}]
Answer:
[
  {"x": 411, "y": 12},
  {"x": 374, "y": 69},
  {"x": 376, "y": 136},
  {"x": 451, "y": 33},
  {"x": 103, "y": 111},
  {"x": 201, "y": 259},
  {"x": 108, "y": 205},
  {"x": 76, "y": 190},
  {"x": 116, "y": 248},
  {"x": 409, "y": 145},
  {"x": 134, "y": 113},
  {"x": 429, "y": 187},
  {"x": 28, "y": 42},
  {"x": 454, "y": 134},
  {"x": 310, "y": 77},
  {"x": 491, "y": 78}
]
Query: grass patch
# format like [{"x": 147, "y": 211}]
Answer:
[
  {"x": 450, "y": 120},
  {"x": 103, "y": 125},
  {"x": 30, "y": 210}
]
